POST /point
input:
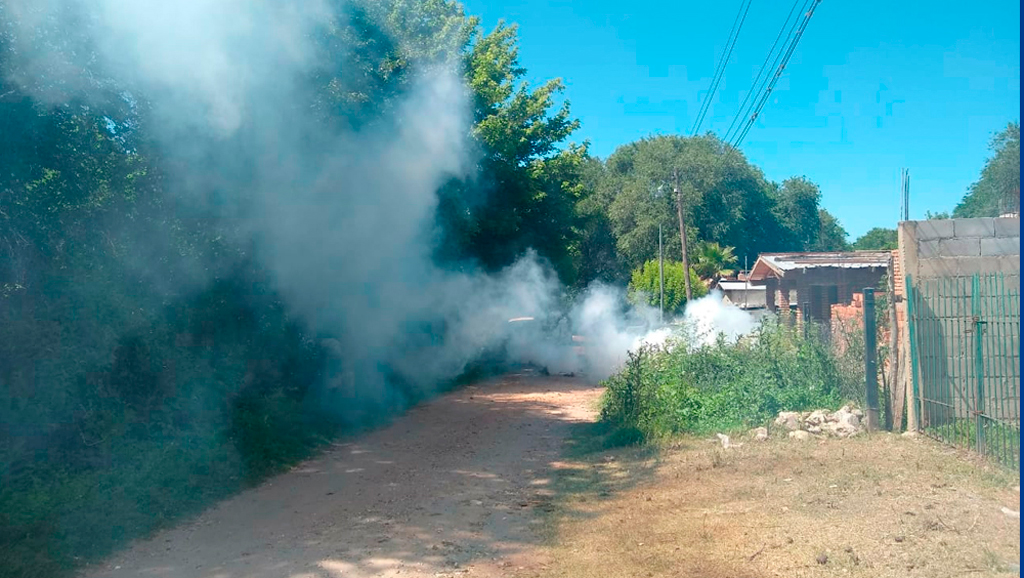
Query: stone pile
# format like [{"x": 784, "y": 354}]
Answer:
[{"x": 842, "y": 423}]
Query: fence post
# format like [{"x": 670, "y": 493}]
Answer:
[
  {"x": 979, "y": 361},
  {"x": 871, "y": 359},
  {"x": 915, "y": 405}
]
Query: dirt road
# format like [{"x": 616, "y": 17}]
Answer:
[{"x": 452, "y": 487}]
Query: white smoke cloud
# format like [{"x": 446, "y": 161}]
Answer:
[
  {"x": 342, "y": 221},
  {"x": 206, "y": 63},
  {"x": 709, "y": 318}
]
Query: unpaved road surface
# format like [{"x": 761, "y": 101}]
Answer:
[{"x": 453, "y": 488}]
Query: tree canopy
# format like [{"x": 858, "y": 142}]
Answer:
[
  {"x": 877, "y": 239},
  {"x": 997, "y": 191},
  {"x": 726, "y": 200}
]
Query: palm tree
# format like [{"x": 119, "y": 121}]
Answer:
[{"x": 712, "y": 261}]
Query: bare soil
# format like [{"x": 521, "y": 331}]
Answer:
[
  {"x": 872, "y": 506},
  {"x": 452, "y": 487}
]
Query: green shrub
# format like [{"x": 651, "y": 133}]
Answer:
[
  {"x": 724, "y": 386},
  {"x": 644, "y": 286},
  {"x": 128, "y": 415}
]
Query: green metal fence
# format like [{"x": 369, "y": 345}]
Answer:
[{"x": 965, "y": 361}]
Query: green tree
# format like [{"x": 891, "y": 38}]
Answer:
[
  {"x": 877, "y": 239},
  {"x": 725, "y": 198},
  {"x": 997, "y": 191},
  {"x": 831, "y": 235},
  {"x": 797, "y": 209},
  {"x": 712, "y": 260},
  {"x": 937, "y": 216},
  {"x": 644, "y": 286},
  {"x": 594, "y": 248},
  {"x": 528, "y": 186},
  {"x": 810, "y": 227}
]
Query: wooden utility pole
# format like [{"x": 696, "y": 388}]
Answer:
[{"x": 682, "y": 235}]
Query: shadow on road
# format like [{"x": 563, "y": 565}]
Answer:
[{"x": 468, "y": 480}]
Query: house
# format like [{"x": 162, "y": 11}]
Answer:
[
  {"x": 741, "y": 293},
  {"x": 813, "y": 282}
]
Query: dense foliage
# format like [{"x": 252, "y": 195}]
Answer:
[
  {"x": 877, "y": 239},
  {"x": 645, "y": 286},
  {"x": 712, "y": 261},
  {"x": 726, "y": 200},
  {"x": 997, "y": 191},
  {"x": 724, "y": 386}
]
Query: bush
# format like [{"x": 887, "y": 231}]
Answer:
[
  {"x": 644, "y": 286},
  {"x": 725, "y": 386},
  {"x": 126, "y": 416}
]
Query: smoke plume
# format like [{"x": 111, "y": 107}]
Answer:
[
  {"x": 709, "y": 318},
  {"x": 343, "y": 220}
]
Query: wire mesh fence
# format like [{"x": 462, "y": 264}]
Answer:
[{"x": 965, "y": 357}]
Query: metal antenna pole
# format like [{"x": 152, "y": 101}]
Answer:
[{"x": 661, "y": 275}]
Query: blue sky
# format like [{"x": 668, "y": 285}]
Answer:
[{"x": 873, "y": 87}]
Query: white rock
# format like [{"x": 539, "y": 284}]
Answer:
[
  {"x": 842, "y": 430},
  {"x": 759, "y": 433},
  {"x": 724, "y": 439},
  {"x": 800, "y": 435},
  {"x": 817, "y": 417},
  {"x": 1011, "y": 513},
  {"x": 789, "y": 420},
  {"x": 814, "y": 429},
  {"x": 845, "y": 418},
  {"x": 850, "y": 419}
]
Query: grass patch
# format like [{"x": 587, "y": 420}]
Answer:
[{"x": 1001, "y": 441}]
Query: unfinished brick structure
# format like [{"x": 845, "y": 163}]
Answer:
[{"x": 817, "y": 281}]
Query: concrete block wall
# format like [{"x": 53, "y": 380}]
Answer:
[
  {"x": 961, "y": 247},
  {"x": 941, "y": 256}
]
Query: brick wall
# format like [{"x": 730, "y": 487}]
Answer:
[{"x": 850, "y": 317}]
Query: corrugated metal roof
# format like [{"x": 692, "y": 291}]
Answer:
[{"x": 781, "y": 262}]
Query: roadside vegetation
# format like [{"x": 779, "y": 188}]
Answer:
[{"x": 726, "y": 386}]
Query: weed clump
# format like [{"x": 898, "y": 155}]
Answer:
[{"x": 662, "y": 391}]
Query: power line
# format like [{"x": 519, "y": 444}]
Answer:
[
  {"x": 730, "y": 43},
  {"x": 788, "y": 53},
  {"x": 749, "y": 116},
  {"x": 778, "y": 72},
  {"x": 757, "y": 86}
]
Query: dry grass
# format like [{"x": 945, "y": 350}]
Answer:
[{"x": 873, "y": 506}]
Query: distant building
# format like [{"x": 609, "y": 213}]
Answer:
[
  {"x": 742, "y": 294},
  {"x": 816, "y": 281}
]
